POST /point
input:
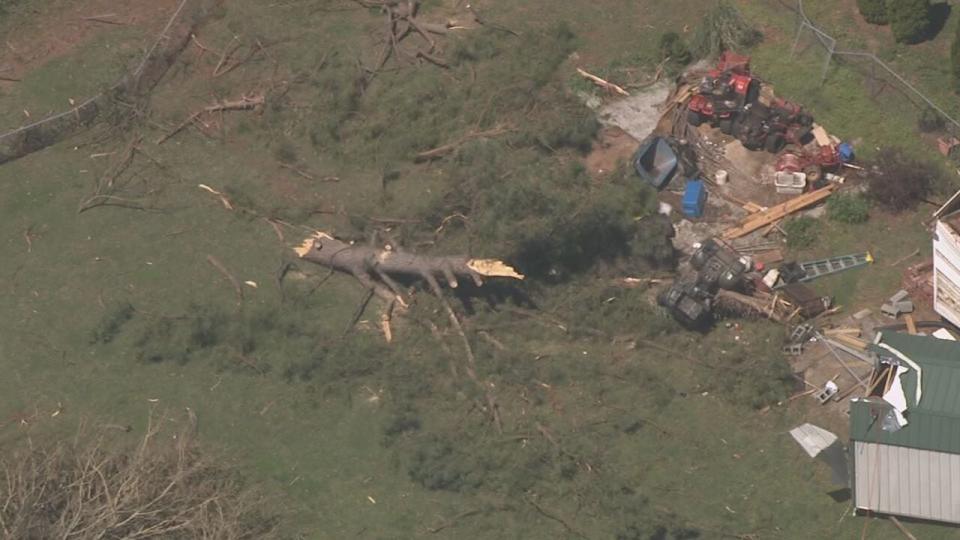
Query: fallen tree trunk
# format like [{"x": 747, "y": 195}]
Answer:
[
  {"x": 134, "y": 86},
  {"x": 377, "y": 268}
]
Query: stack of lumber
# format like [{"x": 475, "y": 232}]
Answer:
[{"x": 773, "y": 214}]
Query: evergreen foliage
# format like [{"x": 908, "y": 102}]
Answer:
[
  {"x": 909, "y": 19},
  {"x": 873, "y": 11}
]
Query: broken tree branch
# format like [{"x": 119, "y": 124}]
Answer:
[
  {"x": 246, "y": 102},
  {"x": 226, "y": 273},
  {"x": 448, "y": 148},
  {"x": 606, "y": 85}
]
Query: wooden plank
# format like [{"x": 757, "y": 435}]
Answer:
[
  {"x": 753, "y": 207},
  {"x": 847, "y": 331},
  {"x": 911, "y": 324},
  {"x": 778, "y": 212},
  {"x": 851, "y": 341},
  {"x": 821, "y": 135},
  {"x": 769, "y": 228},
  {"x": 768, "y": 257},
  {"x": 683, "y": 94}
]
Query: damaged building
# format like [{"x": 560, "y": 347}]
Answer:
[
  {"x": 946, "y": 261},
  {"x": 905, "y": 435}
]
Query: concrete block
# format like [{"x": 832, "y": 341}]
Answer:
[{"x": 899, "y": 296}]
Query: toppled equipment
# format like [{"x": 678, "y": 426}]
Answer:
[
  {"x": 659, "y": 159},
  {"x": 717, "y": 266}
]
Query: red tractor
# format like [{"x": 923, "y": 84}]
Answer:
[
  {"x": 727, "y": 98},
  {"x": 723, "y": 93},
  {"x": 813, "y": 164}
]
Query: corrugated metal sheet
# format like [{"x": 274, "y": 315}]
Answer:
[
  {"x": 925, "y": 431},
  {"x": 940, "y": 361},
  {"x": 934, "y": 423},
  {"x": 907, "y": 482}
]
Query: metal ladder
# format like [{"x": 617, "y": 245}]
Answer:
[{"x": 825, "y": 267}]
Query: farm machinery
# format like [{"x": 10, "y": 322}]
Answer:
[
  {"x": 715, "y": 266},
  {"x": 728, "y": 98},
  {"x": 813, "y": 164}
]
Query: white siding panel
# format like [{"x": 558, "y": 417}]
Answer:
[
  {"x": 907, "y": 482},
  {"x": 946, "y": 263},
  {"x": 953, "y": 486}
]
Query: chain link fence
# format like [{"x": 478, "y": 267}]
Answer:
[{"x": 895, "y": 92}]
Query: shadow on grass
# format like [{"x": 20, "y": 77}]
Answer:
[{"x": 938, "y": 15}]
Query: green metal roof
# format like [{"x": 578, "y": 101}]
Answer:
[{"x": 934, "y": 423}]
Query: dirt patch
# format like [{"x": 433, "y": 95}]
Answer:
[
  {"x": 638, "y": 114},
  {"x": 66, "y": 25},
  {"x": 613, "y": 146},
  {"x": 816, "y": 366}
]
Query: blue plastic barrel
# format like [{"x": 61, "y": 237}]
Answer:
[{"x": 846, "y": 152}]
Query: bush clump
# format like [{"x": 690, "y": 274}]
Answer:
[
  {"x": 930, "y": 120},
  {"x": 674, "y": 48},
  {"x": 898, "y": 182},
  {"x": 848, "y": 208},
  {"x": 723, "y": 28},
  {"x": 801, "y": 232},
  {"x": 909, "y": 19},
  {"x": 873, "y": 11}
]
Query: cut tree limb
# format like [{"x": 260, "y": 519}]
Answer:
[{"x": 606, "y": 85}]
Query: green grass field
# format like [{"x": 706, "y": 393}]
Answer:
[{"x": 639, "y": 430}]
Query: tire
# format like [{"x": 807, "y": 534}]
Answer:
[
  {"x": 814, "y": 174},
  {"x": 751, "y": 143},
  {"x": 804, "y": 134},
  {"x": 726, "y": 126},
  {"x": 736, "y": 129},
  {"x": 774, "y": 143},
  {"x": 694, "y": 118}
]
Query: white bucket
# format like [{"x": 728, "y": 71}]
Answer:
[{"x": 721, "y": 177}]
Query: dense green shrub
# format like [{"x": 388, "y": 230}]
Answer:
[
  {"x": 801, "y": 232},
  {"x": 873, "y": 11},
  {"x": 723, "y": 28},
  {"x": 930, "y": 120},
  {"x": 673, "y": 47},
  {"x": 909, "y": 19},
  {"x": 848, "y": 208}
]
